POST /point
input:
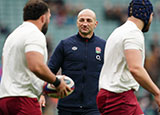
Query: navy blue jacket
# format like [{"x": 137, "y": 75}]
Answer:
[{"x": 81, "y": 59}]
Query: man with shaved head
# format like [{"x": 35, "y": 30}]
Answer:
[{"x": 80, "y": 57}]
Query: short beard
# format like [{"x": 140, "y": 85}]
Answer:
[
  {"x": 85, "y": 33},
  {"x": 44, "y": 28},
  {"x": 146, "y": 28}
]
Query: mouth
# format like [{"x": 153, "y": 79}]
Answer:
[{"x": 84, "y": 28}]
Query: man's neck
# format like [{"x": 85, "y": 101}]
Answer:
[
  {"x": 86, "y": 36},
  {"x": 36, "y": 23},
  {"x": 139, "y": 23}
]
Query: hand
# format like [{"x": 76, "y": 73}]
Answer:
[
  {"x": 42, "y": 101},
  {"x": 157, "y": 99},
  {"x": 63, "y": 89}
]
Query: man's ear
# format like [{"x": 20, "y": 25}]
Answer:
[
  {"x": 43, "y": 18},
  {"x": 96, "y": 22}
]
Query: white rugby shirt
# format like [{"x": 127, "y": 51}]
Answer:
[
  {"x": 17, "y": 79},
  {"x": 115, "y": 76}
]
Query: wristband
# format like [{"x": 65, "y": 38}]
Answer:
[{"x": 57, "y": 82}]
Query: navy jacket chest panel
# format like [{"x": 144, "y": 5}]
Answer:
[
  {"x": 95, "y": 52},
  {"x": 73, "y": 56},
  {"x": 80, "y": 54},
  {"x": 95, "y": 57},
  {"x": 73, "y": 51}
]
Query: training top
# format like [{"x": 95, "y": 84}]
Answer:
[
  {"x": 115, "y": 75},
  {"x": 17, "y": 79},
  {"x": 81, "y": 59}
]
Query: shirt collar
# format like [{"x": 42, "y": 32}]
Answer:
[
  {"x": 84, "y": 39},
  {"x": 133, "y": 24},
  {"x": 30, "y": 24}
]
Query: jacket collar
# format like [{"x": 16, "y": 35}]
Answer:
[{"x": 84, "y": 39}]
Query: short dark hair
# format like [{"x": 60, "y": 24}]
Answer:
[{"x": 34, "y": 9}]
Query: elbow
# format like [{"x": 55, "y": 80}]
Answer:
[
  {"x": 35, "y": 68},
  {"x": 135, "y": 70}
]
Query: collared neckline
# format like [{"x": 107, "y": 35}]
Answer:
[
  {"x": 30, "y": 24},
  {"x": 133, "y": 24},
  {"x": 84, "y": 39}
]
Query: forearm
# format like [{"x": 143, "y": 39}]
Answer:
[
  {"x": 44, "y": 73},
  {"x": 142, "y": 77}
]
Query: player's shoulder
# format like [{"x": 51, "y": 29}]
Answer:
[
  {"x": 68, "y": 39},
  {"x": 133, "y": 30},
  {"x": 135, "y": 33}
]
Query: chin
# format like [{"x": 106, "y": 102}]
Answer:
[{"x": 84, "y": 32}]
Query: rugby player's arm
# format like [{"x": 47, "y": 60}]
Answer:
[
  {"x": 134, "y": 62},
  {"x": 35, "y": 62}
]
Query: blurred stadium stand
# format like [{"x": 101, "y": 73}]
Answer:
[
  {"x": 11, "y": 16},
  {"x": 59, "y": 28}
]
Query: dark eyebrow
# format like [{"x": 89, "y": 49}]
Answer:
[{"x": 88, "y": 19}]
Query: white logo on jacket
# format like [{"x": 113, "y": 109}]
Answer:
[
  {"x": 74, "y": 48},
  {"x": 98, "y": 57}
]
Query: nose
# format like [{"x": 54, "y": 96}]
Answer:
[{"x": 85, "y": 23}]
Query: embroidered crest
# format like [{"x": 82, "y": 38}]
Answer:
[{"x": 98, "y": 50}]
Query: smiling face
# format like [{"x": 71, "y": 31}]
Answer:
[{"x": 86, "y": 23}]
